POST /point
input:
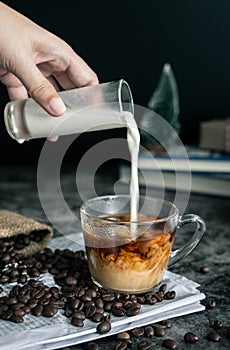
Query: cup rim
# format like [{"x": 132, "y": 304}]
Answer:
[{"x": 107, "y": 221}]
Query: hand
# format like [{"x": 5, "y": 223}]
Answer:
[{"x": 33, "y": 62}]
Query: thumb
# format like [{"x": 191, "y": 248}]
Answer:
[{"x": 41, "y": 90}]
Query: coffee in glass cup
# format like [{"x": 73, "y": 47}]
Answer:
[{"x": 132, "y": 256}]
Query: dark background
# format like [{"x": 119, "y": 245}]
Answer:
[{"x": 132, "y": 40}]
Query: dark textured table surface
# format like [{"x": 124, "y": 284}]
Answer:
[{"x": 18, "y": 192}]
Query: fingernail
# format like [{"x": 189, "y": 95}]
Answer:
[
  {"x": 52, "y": 138},
  {"x": 57, "y": 106}
]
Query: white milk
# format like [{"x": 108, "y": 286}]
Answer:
[{"x": 133, "y": 139}]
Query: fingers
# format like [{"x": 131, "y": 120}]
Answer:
[
  {"x": 40, "y": 89},
  {"x": 76, "y": 74},
  {"x": 17, "y": 93}
]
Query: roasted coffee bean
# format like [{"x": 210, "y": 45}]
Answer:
[
  {"x": 4, "y": 279},
  {"x": 169, "y": 343},
  {"x": 166, "y": 323},
  {"x": 100, "y": 310},
  {"x": 159, "y": 324},
  {"x": 40, "y": 294},
  {"x": 37, "y": 311},
  {"x": 47, "y": 295},
  {"x": 118, "y": 305},
  {"x": 150, "y": 299},
  {"x": 138, "y": 332},
  {"x": 89, "y": 303},
  {"x": 23, "y": 279},
  {"x": 68, "y": 312},
  {"x": 97, "y": 317},
  {"x": 133, "y": 298},
  {"x": 11, "y": 301},
  {"x": 81, "y": 306},
  {"x": 108, "y": 297},
  {"x": 34, "y": 272},
  {"x": 107, "y": 318},
  {"x": 54, "y": 290},
  {"x": 103, "y": 327},
  {"x": 43, "y": 302},
  {"x": 163, "y": 287},
  {"x": 123, "y": 336},
  {"x": 80, "y": 292},
  {"x": 26, "y": 309},
  {"x": 125, "y": 296},
  {"x": 19, "y": 312},
  {"x": 99, "y": 303},
  {"x": 25, "y": 289},
  {"x": 74, "y": 303},
  {"x": 90, "y": 311},
  {"x": 213, "y": 336},
  {"x": 120, "y": 345},
  {"x": 78, "y": 314},
  {"x": 58, "y": 303},
  {"x": 3, "y": 308},
  {"x": 127, "y": 304},
  {"x": 31, "y": 303},
  {"x": 7, "y": 314},
  {"x": 15, "y": 290},
  {"x": 141, "y": 299},
  {"x": 85, "y": 298},
  {"x": 92, "y": 346},
  {"x": 218, "y": 324},
  {"x": 144, "y": 345},
  {"x": 149, "y": 331},
  {"x": 170, "y": 295},
  {"x": 108, "y": 306},
  {"x": 14, "y": 273},
  {"x": 204, "y": 269},
  {"x": 78, "y": 322},
  {"x": 118, "y": 312},
  {"x": 133, "y": 310},
  {"x": 159, "y": 295},
  {"x": 159, "y": 331},
  {"x": 17, "y": 306},
  {"x": 68, "y": 295},
  {"x": 3, "y": 299},
  {"x": 49, "y": 310},
  {"x": 191, "y": 337},
  {"x": 91, "y": 293},
  {"x": 16, "y": 318},
  {"x": 34, "y": 283},
  {"x": 211, "y": 304},
  {"x": 6, "y": 258}
]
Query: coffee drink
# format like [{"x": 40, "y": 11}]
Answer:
[{"x": 128, "y": 264}]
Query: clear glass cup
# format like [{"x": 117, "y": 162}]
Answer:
[
  {"x": 89, "y": 108},
  {"x": 129, "y": 256}
]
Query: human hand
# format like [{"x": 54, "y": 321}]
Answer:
[{"x": 33, "y": 62}]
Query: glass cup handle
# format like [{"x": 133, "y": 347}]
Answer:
[{"x": 187, "y": 248}]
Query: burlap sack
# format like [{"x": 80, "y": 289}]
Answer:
[{"x": 13, "y": 224}]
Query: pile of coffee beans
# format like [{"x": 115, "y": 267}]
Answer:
[
  {"x": 74, "y": 293},
  {"x": 77, "y": 297}
]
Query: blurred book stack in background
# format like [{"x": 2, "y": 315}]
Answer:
[
  {"x": 215, "y": 135},
  {"x": 205, "y": 171}
]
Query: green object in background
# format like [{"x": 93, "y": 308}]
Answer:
[{"x": 165, "y": 102}]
